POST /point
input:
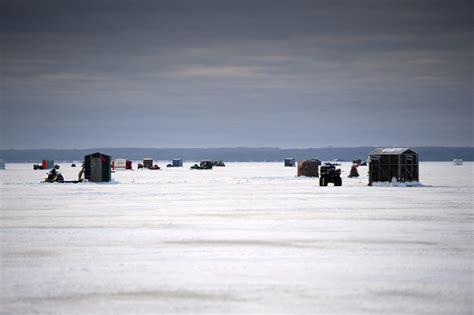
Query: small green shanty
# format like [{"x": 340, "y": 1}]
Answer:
[{"x": 97, "y": 167}]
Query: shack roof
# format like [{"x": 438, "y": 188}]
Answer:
[
  {"x": 97, "y": 154},
  {"x": 391, "y": 151}
]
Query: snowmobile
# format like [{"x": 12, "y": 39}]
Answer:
[
  {"x": 54, "y": 177},
  {"x": 204, "y": 165},
  {"x": 218, "y": 163}
]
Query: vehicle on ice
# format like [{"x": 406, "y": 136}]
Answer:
[
  {"x": 54, "y": 176},
  {"x": 329, "y": 174},
  {"x": 204, "y": 165}
]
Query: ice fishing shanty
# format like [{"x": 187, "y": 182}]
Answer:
[
  {"x": 177, "y": 162},
  {"x": 388, "y": 163},
  {"x": 121, "y": 164},
  {"x": 308, "y": 168},
  {"x": 97, "y": 167},
  {"x": 457, "y": 162},
  {"x": 290, "y": 162},
  {"x": 147, "y": 162},
  {"x": 47, "y": 164}
]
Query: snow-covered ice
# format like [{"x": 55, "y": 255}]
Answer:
[{"x": 246, "y": 238}]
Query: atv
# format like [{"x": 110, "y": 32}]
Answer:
[{"x": 329, "y": 174}]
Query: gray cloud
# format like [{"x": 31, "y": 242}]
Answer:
[{"x": 228, "y": 73}]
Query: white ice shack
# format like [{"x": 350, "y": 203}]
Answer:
[
  {"x": 457, "y": 162},
  {"x": 123, "y": 164}
]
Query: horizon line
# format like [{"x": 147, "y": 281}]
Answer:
[{"x": 244, "y": 147}]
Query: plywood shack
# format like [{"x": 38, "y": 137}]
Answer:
[
  {"x": 97, "y": 167},
  {"x": 388, "y": 163},
  {"x": 147, "y": 162}
]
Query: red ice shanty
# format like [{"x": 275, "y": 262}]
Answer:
[
  {"x": 121, "y": 164},
  {"x": 47, "y": 164}
]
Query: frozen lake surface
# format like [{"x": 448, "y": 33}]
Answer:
[{"x": 247, "y": 238}]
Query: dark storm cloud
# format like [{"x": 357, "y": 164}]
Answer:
[{"x": 226, "y": 73}]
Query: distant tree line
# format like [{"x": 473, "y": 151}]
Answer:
[{"x": 231, "y": 154}]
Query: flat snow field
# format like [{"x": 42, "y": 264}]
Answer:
[{"x": 249, "y": 238}]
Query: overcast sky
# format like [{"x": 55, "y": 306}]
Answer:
[{"x": 78, "y": 74}]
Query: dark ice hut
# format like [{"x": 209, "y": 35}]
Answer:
[
  {"x": 147, "y": 162},
  {"x": 177, "y": 162},
  {"x": 387, "y": 163},
  {"x": 97, "y": 167},
  {"x": 290, "y": 162}
]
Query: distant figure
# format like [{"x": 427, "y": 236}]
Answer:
[{"x": 354, "y": 172}]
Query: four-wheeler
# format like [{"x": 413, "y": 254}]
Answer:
[{"x": 329, "y": 174}]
